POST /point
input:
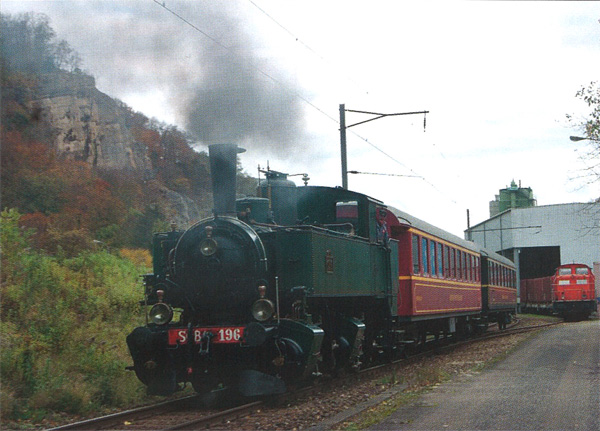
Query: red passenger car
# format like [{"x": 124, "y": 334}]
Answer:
[
  {"x": 498, "y": 287},
  {"x": 573, "y": 291},
  {"x": 440, "y": 278}
]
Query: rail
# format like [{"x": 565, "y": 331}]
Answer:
[{"x": 167, "y": 415}]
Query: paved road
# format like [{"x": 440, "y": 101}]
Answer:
[{"x": 551, "y": 382}]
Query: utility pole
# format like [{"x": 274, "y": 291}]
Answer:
[
  {"x": 343, "y": 146},
  {"x": 343, "y": 128}
]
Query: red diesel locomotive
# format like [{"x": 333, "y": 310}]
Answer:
[
  {"x": 573, "y": 291},
  {"x": 569, "y": 292}
]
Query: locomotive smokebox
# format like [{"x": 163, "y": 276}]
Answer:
[{"x": 223, "y": 168}]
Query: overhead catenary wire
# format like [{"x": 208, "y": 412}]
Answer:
[
  {"x": 325, "y": 60},
  {"x": 384, "y": 174},
  {"x": 403, "y": 165},
  {"x": 305, "y": 45},
  {"x": 292, "y": 92},
  {"x": 258, "y": 69}
]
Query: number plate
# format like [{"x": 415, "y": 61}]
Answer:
[{"x": 221, "y": 335}]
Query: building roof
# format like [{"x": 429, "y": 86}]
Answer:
[{"x": 535, "y": 208}]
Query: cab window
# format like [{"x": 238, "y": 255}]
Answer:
[{"x": 347, "y": 213}]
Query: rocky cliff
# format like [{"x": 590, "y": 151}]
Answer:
[{"x": 88, "y": 125}]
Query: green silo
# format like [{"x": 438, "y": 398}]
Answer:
[{"x": 512, "y": 197}]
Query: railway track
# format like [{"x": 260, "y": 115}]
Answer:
[{"x": 190, "y": 413}]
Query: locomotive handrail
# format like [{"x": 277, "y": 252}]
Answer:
[{"x": 313, "y": 227}]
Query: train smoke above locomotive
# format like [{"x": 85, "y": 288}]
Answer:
[
  {"x": 243, "y": 108},
  {"x": 217, "y": 84},
  {"x": 235, "y": 99}
]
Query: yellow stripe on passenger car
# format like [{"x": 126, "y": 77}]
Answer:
[{"x": 437, "y": 280}]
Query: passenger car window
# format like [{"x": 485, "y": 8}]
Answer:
[
  {"x": 447, "y": 268},
  {"x": 415, "y": 254},
  {"x": 432, "y": 257},
  {"x": 424, "y": 255},
  {"x": 440, "y": 260}
]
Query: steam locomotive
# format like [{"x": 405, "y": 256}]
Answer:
[{"x": 299, "y": 281}]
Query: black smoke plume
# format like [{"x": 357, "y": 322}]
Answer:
[
  {"x": 239, "y": 98},
  {"x": 221, "y": 81}
]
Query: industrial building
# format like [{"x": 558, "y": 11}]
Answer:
[{"x": 540, "y": 238}]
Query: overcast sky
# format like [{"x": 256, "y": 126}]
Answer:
[{"x": 497, "y": 77}]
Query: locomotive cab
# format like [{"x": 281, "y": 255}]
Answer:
[{"x": 573, "y": 291}]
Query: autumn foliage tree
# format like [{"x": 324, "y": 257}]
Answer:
[{"x": 72, "y": 204}]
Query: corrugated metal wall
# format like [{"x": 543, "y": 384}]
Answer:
[{"x": 575, "y": 228}]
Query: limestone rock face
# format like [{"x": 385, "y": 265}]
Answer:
[
  {"x": 90, "y": 126},
  {"x": 87, "y": 124}
]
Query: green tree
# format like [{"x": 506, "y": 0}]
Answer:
[
  {"x": 65, "y": 57},
  {"x": 29, "y": 44}
]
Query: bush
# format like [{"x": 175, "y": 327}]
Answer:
[{"x": 64, "y": 320}]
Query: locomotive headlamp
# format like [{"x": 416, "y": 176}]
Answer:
[
  {"x": 161, "y": 313},
  {"x": 262, "y": 310},
  {"x": 208, "y": 247}
]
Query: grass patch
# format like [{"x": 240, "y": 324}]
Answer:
[
  {"x": 378, "y": 413},
  {"x": 544, "y": 317},
  {"x": 63, "y": 323},
  {"x": 427, "y": 376},
  {"x": 392, "y": 379}
]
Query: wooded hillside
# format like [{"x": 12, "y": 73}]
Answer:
[
  {"x": 81, "y": 166},
  {"x": 85, "y": 183}
]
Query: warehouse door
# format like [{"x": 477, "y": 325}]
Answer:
[{"x": 538, "y": 262}]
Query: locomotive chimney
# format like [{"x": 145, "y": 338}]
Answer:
[{"x": 223, "y": 168}]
